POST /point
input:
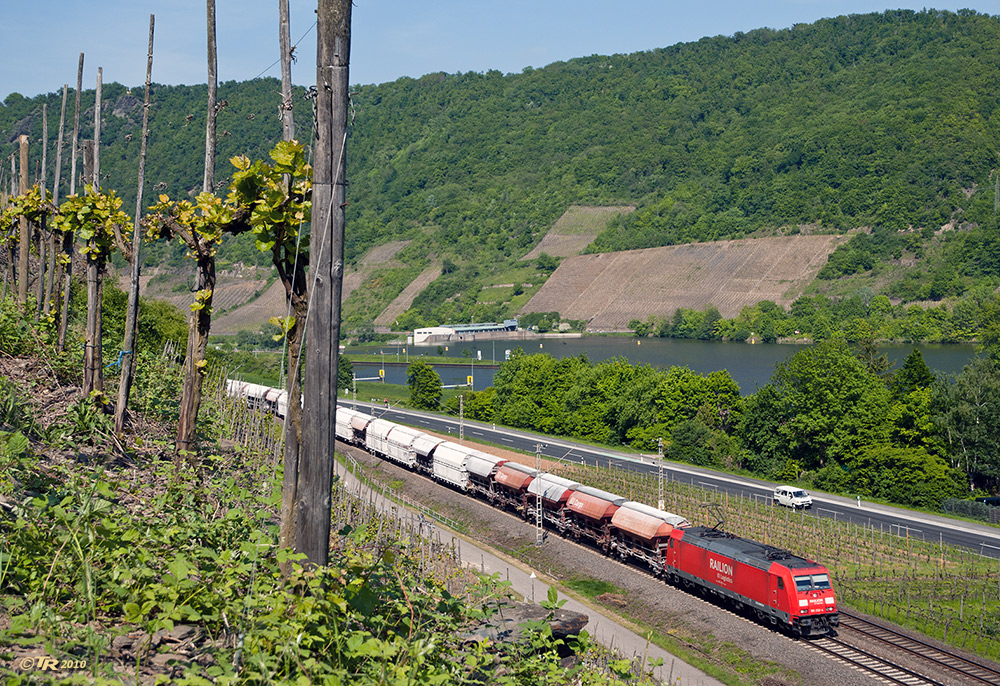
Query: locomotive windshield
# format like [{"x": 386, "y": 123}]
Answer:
[{"x": 812, "y": 582}]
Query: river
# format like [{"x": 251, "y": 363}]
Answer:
[{"x": 751, "y": 366}]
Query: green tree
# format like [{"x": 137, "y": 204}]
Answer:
[
  {"x": 989, "y": 332},
  {"x": 908, "y": 476},
  {"x": 825, "y": 405},
  {"x": 546, "y": 263},
  {"x": 478, "y": 405},
  {"x": 968, "y": 414},
  {"x": 866, "y": 350},
  {"x": 345, "y": 372},
  {"x": 764, "y": 414},
  {"x": 643, "y": 329},
  {"x": 530, "y": 390},
  {"x": 913, "y": 423},
  {"x": 683, "y": 394},
  {"x": 912, "y": 375},
  {"x": 706, "y": 331},
  {"x": 425, "y": 385}
]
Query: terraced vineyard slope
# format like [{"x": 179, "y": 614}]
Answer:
[
  {"x": 405, "y": 299},
  {"x": 576, "y": 229},
  {"x": 610, "y": 289}
]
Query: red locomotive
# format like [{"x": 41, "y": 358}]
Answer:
[{"x": 779, "y": 587}]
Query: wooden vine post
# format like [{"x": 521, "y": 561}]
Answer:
[
  {"x": 310, "y": 499},
  {"x": 93, "y": 359},
  {"x": 285, "y": 45},
  {"x": 68, "y": 235},
  {"x": 208, "y": 184},
  {"x": 23, "y": 243},
  {"x": 55, "y": 265},
  {"x": 128, "y": 356},
  {"x": 8, "y": 245},
  {"x": 40, "y": 284},
  {"x": 204, "y": 253},
  {"x": 4, "y": 240},
  {"x": 293, "y": 279}
]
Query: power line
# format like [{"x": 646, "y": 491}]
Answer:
[{"x": 271, "y": 66}]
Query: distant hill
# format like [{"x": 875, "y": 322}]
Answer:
[{"x": 886, "y": 122}]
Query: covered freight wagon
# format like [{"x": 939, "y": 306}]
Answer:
[
  {"x": 344, "y": 418},
  {"x": 399, "y": 445},
  {"x": 424, "y": 446},
  {"x": 553, "y": 491},
  {"x": 276, "y": 400},
  {"x": 482, "y": 469},
  {"x": 643, "y": 532},
  {"x": 377, "y": 436},
  {"x": 449, "y": 464},
  {"x": 359, "y": 422},
  {"x": 511, "y": 483},
  {"x": 590, "y": 512}
]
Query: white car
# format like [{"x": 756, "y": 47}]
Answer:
[{"x": 789, "y": 496}]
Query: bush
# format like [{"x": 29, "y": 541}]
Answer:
[
  {"x": 691, "y": 442},
  {"x": 16, "y": 336}
]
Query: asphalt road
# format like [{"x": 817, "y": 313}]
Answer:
[{"x": 980, "y": 538}]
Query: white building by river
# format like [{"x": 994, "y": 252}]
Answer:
[{"x": 460, "y": 332}]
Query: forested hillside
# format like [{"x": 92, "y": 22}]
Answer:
[{"x": 885, "y": 121}]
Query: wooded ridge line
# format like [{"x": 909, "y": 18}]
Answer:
[{"x": 886, "y": 122}]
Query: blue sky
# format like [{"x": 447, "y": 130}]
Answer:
[{"x": 390, "y": 38}]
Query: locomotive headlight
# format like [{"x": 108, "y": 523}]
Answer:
[
  {"x": 802, "y": 612},
  {"x": 829, "y": 609}
]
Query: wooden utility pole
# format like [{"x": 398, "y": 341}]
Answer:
[
  {"x": 131, "y": 315},
  {"x": 68, "y": 237},
  {"x": 22, "y": 246},
  {"x": 285, "y": 45},
  {"x": 311, "y": 511}
]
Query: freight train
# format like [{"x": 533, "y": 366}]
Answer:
[{"x": 780, "y": 588}]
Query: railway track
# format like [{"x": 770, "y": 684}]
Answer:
[
  {"x": 855, "y": 653},
  {"x": 947, "y": 662},
  {"x": 848, "y": 652},
  {"x": 872, "y": 664}
]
